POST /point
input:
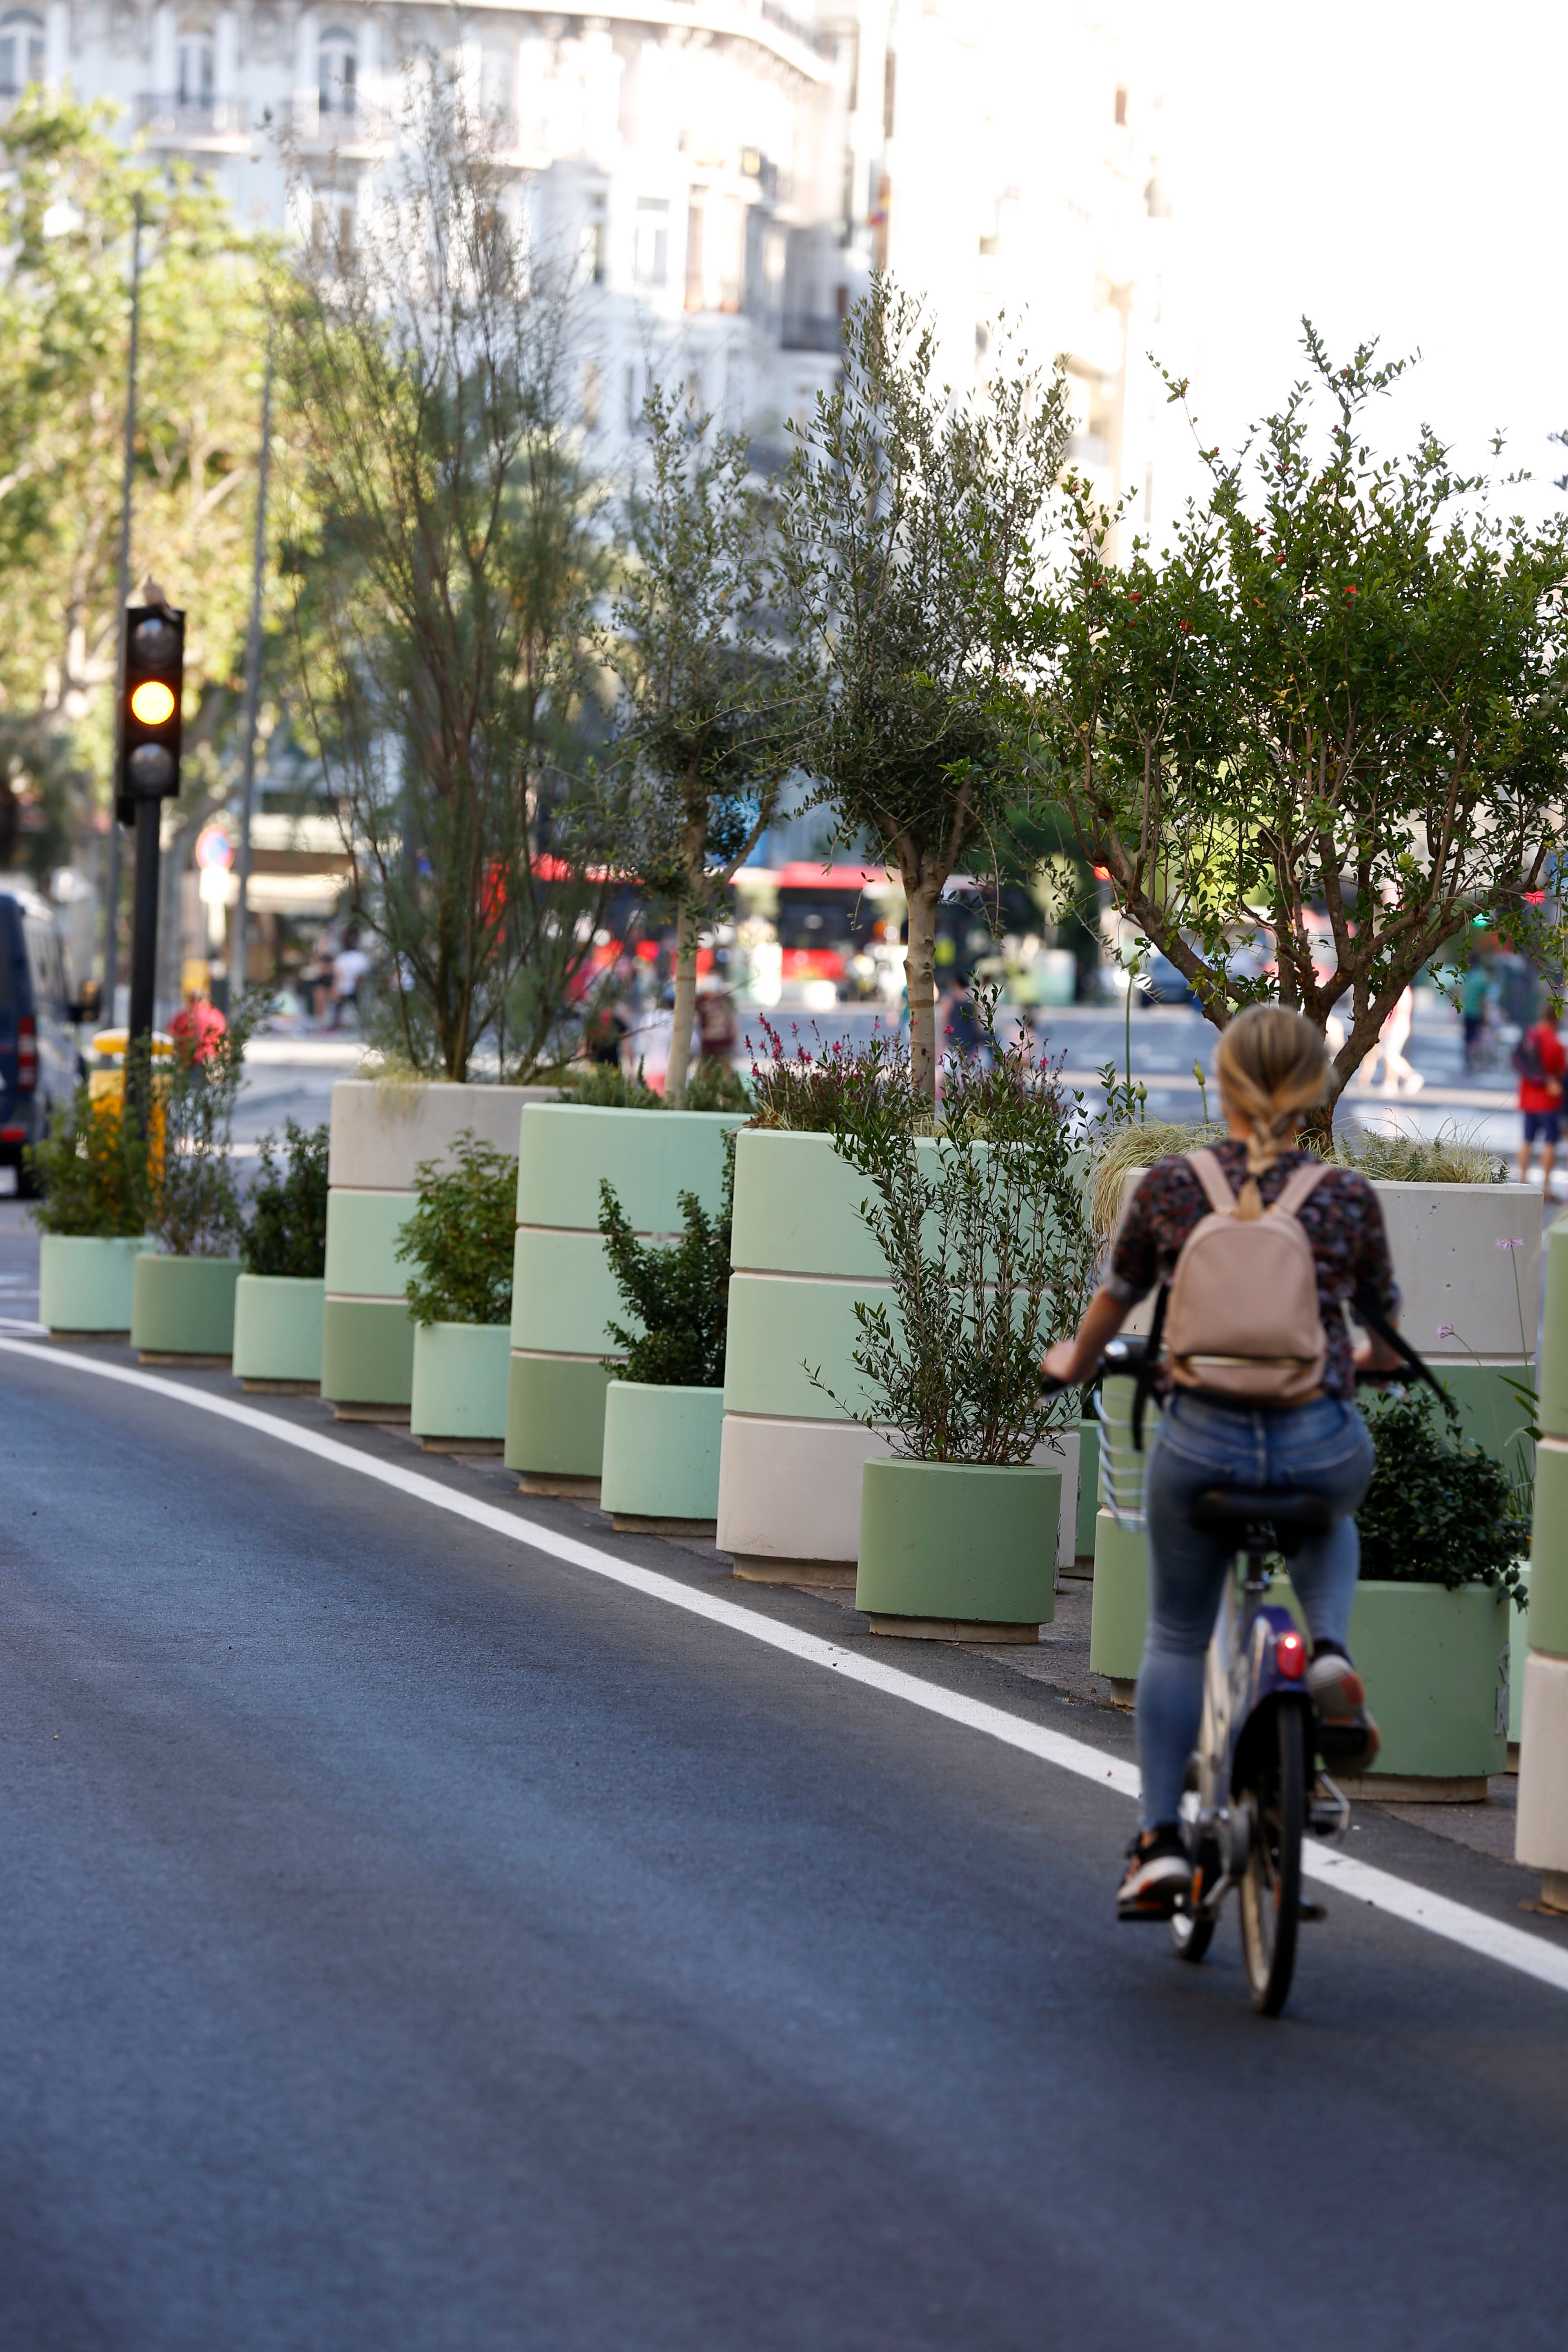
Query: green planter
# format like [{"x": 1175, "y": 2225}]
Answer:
[
  {"x": 661, "y": 1452},
  {"x": 563, "y": 1295},
  {"x": 956, "y": 1549},
  {"x": 1436, "y": 1664},
  {"x": 86, "y": 1281},
  {"x": 458, "y": 1388},
  {"x": 277, "y": 1330},
  {"x": 184, "y": 1306}
]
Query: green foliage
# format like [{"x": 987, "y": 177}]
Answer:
[
  {"x": 461, "y": 1235},
  {"x": 909, "y": 523},
  {"x": 606, "y": 1086},
  {"x": 287, "y": 1233},
  {"x": 194, "y": 1193},
  {"x": 90, "y": 1172},
  {"x": 1343, "y": 690},
  {"x": 678, "y": 1291},
  {"x": 444, "y": 602},
  {"x": 713, "y": 1086},
  {"x": 70, "y": 184},
  {"x": 1438, "y": 1511},
  {"x": 705, "y": 720},
  {"x": 986, "y": 1234}
]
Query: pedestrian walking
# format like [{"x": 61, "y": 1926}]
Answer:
[
  {"x": 349, "y": 966},
  {"x": 1473, "y": 1003},
  {"x": 1541, "y": 1060}
]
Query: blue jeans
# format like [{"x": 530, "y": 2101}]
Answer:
[{"x": 1324, "y": 1447}]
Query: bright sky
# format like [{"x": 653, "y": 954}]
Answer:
[{"x": 1391, "y": 169}]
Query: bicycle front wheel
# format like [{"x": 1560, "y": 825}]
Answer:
[{"x": 1276, "y": 1782}]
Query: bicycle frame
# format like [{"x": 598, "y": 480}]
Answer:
[{"x": 1255, "y": 1661}]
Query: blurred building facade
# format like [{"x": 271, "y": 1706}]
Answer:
[{"x": 725, "y": 173}]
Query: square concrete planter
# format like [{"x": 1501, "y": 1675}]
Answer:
[
  {"x": 661, "y": 1455},
  {"x": 563, "y": 1295},
  {"x": 459, "y": 1389},
  {"x": 380, "y": 1134},
  {"x": 958, "y": 1550},
  {"x": 86, "y": 1281},
  {"x": 183, "y": 1307},
  {"x": 278, "y": 1330},
  {"x": 790, "y": 1483}
]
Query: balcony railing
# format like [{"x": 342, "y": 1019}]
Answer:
[{"x": 191, "y": 118}]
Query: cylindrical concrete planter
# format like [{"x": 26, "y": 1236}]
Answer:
[
  {"x": 958, "y": 1550},
  {"x": 661, "y": 1455},
  {"x": 86, "y": 1282},
  {"x": 183, "y": 1307},
  {"x": 563, "y": 1295},
  {"x": 380, "y": 1134},
  {"x": 789, "y": 1479},
  {"x": 459, "y": 1399},
  {"x": 278, "y": 1330}
]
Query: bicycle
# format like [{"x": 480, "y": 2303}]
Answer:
[{"x": 1253, "y": 1787}]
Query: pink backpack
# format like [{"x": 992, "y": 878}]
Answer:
[{"x": 1242, "y": 1318}]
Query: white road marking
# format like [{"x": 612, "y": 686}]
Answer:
[{"x": 1455, "y": 1923}]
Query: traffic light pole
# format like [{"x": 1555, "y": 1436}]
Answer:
[
  {"x": 145, "y": 920},
  {"x": 111, "y": 885}
]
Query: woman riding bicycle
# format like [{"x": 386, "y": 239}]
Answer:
[{"x": 1272, "y": 1068}]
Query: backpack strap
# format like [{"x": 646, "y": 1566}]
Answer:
[
  {"x": 1212, "y": 1177},
  {"x": 1298, "y": 1188}
]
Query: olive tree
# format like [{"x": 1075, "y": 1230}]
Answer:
[
  {"x": 703, "y": 720},
  {"x": 912, "y": 523},
  {"x": 1332, "y": 718},
  {"x": 444, "y": 602}
]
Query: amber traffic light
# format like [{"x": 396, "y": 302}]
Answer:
[{"x": 150, "y": 712}]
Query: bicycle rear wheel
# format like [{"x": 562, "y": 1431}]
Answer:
[{"x": 1276, "y": 1782}]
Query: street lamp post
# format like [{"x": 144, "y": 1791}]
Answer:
[{"x": 111, "y": 883}]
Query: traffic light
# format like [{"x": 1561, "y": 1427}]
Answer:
[{"x": 150, "y": 706}]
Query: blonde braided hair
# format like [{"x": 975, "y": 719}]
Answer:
[{"x": 1272, "y": 1066}]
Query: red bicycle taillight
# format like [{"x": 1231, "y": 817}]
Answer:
[
  {"x": 1291, "y": 1656},
  {"x": 27, "y": 1054}
]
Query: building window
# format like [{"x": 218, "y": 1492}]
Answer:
[
  {"x": 1122, "y": 109},
  {"x": 337, "y": 70},
  {"x": 196, "y": 73},
  {"x": 21, "y": 52},
  {"x": 332, "y": 223},
  {"x": 650, "y": 259}
]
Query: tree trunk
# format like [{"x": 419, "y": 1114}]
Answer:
[
  {"x": 919, "y": 975},
  {"x": 685, "y": 1005}
]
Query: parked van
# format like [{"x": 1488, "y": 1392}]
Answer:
[{"x": 38, "y": 1059}]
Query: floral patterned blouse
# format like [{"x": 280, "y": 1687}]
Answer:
[{"x": 1343, "y": 1220}]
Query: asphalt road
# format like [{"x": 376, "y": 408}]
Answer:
[{"x": 411, "y": 1941}]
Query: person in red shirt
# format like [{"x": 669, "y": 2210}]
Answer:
[
  {"x": 1541, "y": 1098},
  {"x": 199, "y": 1025}
]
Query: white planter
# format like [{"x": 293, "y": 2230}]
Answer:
[
  {"x": 790, "y": 1472},
  {"x": 380, "y": 1133}
]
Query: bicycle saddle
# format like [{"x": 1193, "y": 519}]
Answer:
[{"x": 1292, "y": 1513}]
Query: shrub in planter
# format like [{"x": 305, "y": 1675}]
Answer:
[
  {"x": 184, "y": 1298},
  {"x": 990, "y": 1253},
  {"x": 665, "y": 1407},
  {"x": 459, "y": 1240},
  {"x": 287, "y": 1235},
  {"x": 88, "y": 1178},
  {"x": 1438, "y": 1511},
  {"x": 279, "y": 1299},
  {"x": 712, "y": 1086}
]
